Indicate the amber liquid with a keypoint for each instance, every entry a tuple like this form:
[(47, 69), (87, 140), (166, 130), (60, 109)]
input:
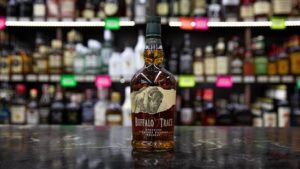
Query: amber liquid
[(160, 136)]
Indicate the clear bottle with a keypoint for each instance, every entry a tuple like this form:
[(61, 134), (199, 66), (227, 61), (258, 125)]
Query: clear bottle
[(221, 58), (73, 111), (113, 114), (32, 113), (106, 52), (88, 108), (101, 106), (55, 57), (92, 58), (115, 65), (128, 67), (174, 5), (126, 108), (81, 52), (139, 51), (153, 93), (18, 106), (70, 52), (57, 109), (140, 9), (44, 105), (198, 62), (187, 115), (186, 57), (209, 61)]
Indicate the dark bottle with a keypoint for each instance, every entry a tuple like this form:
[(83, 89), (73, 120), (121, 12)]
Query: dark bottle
[(73, 113), (4, 104), (295, 105), (236, 64), (153, 97), (173, 61), (198, 107), (243, 116), (18, 105), (12, 8), (88, 108), (209, 112), (187, 115), (113, 114), (32, 113), (25, 8), (44, 105), (224, 116), (186, 57), (230, 10), (57, 108)]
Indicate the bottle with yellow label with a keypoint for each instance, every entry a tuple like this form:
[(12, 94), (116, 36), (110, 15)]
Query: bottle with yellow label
[(294, 54), (16, 63), (272, 64), (283, 62)]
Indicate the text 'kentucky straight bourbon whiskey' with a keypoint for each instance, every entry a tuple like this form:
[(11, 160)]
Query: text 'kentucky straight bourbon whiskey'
[(153, 97)]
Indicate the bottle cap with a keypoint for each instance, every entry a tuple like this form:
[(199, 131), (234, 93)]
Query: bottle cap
[(153, 26)]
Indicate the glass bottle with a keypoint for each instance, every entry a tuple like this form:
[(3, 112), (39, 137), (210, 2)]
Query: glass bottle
[(53, 9), (224, 117), (153, 93), (57, 109), (248, 63), (32, 113), (17, 62), (221, 58), (184, 7), (214, 11), (112, 8), (260, 60), (174, 5), (4, 63), (186, 57), (55, 57), (231, 10), (283, 63), (39, 9), (101, 106), (173, 61), (113, 114), (294, 54), (106, 52), (140, 9), (236, 65), (67, 8), (88, 108), (199, 8), (92, 57), (73, 111), (44, 105), (4, 107), (272, 63), (126, 108), (79, 59), (198, 107), (70, 52), (139, 51), (114, 68), (128, 67), (262, 9), (209, 61), (198, 62), (12, 8), (209, 112), (187, 116), (25, 9), (18, 105), (162, 7), (246, 10), (282, 7)]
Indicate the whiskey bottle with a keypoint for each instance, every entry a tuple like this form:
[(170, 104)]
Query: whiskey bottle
[(100, 106), (44, 105), (57, 108), (184, 7), (111, 7), (248, 63), (209, 112), (221, 58), (162, 8), (230, 9), (209, 61), (173, 61), (67, 8), (55, 57), (246, 10), (199, 8), (25, 9), (294, 54), (88, 108), (39, 9), (283, 62), (236, 65), (282, 7), (32, 113), (113, 114), (262, 9), (198, 107), (73, 110), (153, 97), (69, 52), (4, 63), (18, 106), (12, 8), (187, 116), (198, 62), (186, 58)]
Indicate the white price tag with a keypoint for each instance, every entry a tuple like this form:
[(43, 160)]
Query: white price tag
[(262, 79), (54, 78), (140, 20), (4, 78), (211, 79), (199, 78), (249, 79), (164, 20), (287, 79), (274, 79), (237, 79), (31, 78), (11, 19), (16, 78), (90, 78), (79, 78), (43, 78), (24, 19)]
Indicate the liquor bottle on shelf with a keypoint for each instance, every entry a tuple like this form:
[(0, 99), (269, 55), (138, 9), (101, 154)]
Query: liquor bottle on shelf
[(17, 61), (295, 9), (112, 7), (12, 9), (282, 7), (101, 106), (57, 108), (39, 9), (187, 115), (248, 63), (139, 51), (67, 8), (162, 7), (106, 51), (198, 107), (295, 105), (209, 112), (25, 9), (198, 67), (214, 11), (262, 9), (53, 9), (282, 62), (269, 113), (186, 56), (283, 106), (127, 57), (224, 116), (4, 63), (92, 58), (260, 60), (272, 64), (70, 52), (199, 8), (256, 111), (18, 105), (101, 13), (242, 114), (294, 54), (174, 8), (55, 57), (113, 114), (32, 114), (231, 10), (246, 10), (153, 97), (236, 64), (126, 108), (88, 12), (114, 68), (88, 108), (36, 54), (140, 8), (209, 61), (129, 8), (185, 7), (44, 105), (73, 110), (173, 61), (4, 104), (79, 59), (221, 58)]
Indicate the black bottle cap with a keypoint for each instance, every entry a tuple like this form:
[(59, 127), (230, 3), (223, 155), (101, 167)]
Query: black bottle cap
[(153, 26)]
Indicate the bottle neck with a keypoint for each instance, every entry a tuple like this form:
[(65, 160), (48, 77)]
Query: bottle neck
[(154, 53)]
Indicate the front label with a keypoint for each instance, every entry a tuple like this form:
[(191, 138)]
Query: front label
[(18, 114), (153, 111)]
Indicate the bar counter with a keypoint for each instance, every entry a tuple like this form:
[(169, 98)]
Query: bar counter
[(88, 147)]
